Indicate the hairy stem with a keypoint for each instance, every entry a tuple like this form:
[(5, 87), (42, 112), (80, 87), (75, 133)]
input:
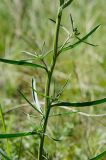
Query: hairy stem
[(48, 83)]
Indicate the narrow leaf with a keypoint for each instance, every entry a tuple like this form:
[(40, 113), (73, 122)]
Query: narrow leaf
[(16, 135), (98, 157), (52, 20), (29, 102), (4, 154), (21, 62), (31, 54), (54, 139), (80, 40), (80, 104), (94, 45), (35, 97), (66, 4), (63, 88)]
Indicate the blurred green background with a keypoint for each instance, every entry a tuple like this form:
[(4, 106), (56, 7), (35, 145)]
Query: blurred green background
[(25, 26)]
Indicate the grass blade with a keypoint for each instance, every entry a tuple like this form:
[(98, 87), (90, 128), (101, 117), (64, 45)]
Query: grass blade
[(4, 154), (98, 157), (80, 40), (21, 62), (16, 135), (80, 104)]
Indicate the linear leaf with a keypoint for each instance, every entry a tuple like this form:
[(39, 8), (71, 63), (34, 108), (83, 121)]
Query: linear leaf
[(16, 135), (21, 62), (66, 4), (98, 157), (35, 97), (80, 40), (62, 89), (52, 20), (94, 45), (31, 54), (4, 154), (29, 102), (54, 139), (80, 104)]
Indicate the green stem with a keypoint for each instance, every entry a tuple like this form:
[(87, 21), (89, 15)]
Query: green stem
[(48, 83)]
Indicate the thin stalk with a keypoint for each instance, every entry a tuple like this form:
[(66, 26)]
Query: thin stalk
[(48, 84)]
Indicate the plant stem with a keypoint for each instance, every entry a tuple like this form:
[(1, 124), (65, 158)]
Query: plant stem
[(48, 83)]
